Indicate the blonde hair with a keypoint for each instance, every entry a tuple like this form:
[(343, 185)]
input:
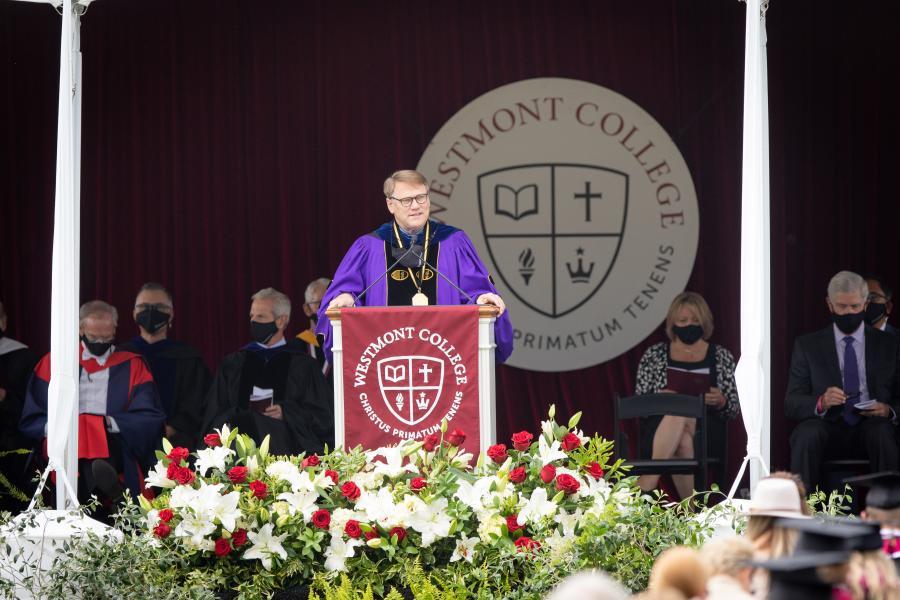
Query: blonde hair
[(679, 568), (695, 301), (727, 556), (769, 539), (871, 575), (403, 176), (885, 516)]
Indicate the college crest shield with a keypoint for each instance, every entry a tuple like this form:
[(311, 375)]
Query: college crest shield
[(553, 230), (410, 386)]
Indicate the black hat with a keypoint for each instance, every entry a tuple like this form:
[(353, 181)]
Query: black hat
[(868, 536), (818, 535), (884, 488)]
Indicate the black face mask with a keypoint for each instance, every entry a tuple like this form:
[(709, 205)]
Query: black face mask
[(689, 334), (152, 319), (261, 333), (850, 322), (96, 348), (874, 312)]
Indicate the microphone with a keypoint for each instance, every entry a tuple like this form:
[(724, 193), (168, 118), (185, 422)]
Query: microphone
[(447, 279), (394, 251)]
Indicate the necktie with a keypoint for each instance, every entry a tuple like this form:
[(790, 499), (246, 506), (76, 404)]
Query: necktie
[(851, 382)]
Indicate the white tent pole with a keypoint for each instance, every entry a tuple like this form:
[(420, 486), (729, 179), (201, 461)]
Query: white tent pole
[(62, 409), (754, 367)]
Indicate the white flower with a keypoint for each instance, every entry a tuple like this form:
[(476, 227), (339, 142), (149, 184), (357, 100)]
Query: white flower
[(547, 429), (338, 552), (381, 508), (394, 466), (212, 458), (285, 471), (490, 525), (339, 518), (473, 495), (194, 528), (549, 453), (182, 496), (568, 521), (367, 480), (225, 510), (465, 549), (430, 520), (304, 502), (157, 477), (462, 460), (537, 507), (265, 546), (252, 465), (152, 519)]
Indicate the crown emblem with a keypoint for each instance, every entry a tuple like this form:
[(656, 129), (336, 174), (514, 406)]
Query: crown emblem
[(580, 275), (422, 401)]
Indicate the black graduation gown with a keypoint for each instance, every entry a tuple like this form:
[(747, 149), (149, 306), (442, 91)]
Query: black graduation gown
[(298, 387), (15, 370), (186, 407)]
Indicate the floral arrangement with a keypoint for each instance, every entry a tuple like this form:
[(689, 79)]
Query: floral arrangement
[(251, 522)]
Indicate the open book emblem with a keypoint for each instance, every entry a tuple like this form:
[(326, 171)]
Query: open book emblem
[(553, 230), (411, 386)]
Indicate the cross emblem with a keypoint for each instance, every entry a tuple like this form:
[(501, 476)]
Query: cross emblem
[(425, 370), (587, 196)]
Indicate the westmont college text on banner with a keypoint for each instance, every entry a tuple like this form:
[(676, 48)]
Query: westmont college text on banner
[(406, 369)]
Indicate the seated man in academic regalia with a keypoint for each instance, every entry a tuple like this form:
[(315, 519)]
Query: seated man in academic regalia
[(16, 364), (312, 301), (421, 246), (178, 369), (272, 386), (120, 419)]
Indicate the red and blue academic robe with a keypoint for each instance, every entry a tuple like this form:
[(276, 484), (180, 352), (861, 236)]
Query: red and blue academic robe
[(131, 400), (367, 259)]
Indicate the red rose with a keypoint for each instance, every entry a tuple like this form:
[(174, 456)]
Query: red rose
[(237, 474), (171, 470), (239, 538), (400, 532), (184, 476), (548, 473), (430, 442), (517, 475), (212, 440), (566, 483), (456, 437), (178, 454), (525, 543), (260, 490), (595, 470), (371, 534), (350, 491), (418, 484), (522, 440), (321, 518), (497, 452), (570, 441), (352, 529), (333, 475), (310, 461), (162, 530), (512, 523), (223, 547), (165, 515)]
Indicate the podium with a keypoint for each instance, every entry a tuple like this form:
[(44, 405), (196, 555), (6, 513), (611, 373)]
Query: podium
[(399, 371)]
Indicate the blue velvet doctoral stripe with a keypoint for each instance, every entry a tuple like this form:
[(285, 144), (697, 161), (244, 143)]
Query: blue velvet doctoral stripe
[(439, 232)]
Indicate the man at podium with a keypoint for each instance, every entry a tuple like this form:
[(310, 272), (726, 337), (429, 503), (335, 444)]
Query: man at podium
[(412, 260)]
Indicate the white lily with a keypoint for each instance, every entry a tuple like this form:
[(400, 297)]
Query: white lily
[(473, 495), (549, 452), (338, 552), (212, 458), (286, 471), (303, 502), (157, 477), (393, 465), (194, 528), (537, 507), (182, 496), (265, 546), (380, 507), (430, 520), (465, 549), (568, 521)]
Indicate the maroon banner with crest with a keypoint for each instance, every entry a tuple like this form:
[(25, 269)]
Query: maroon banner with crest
[(406, 369)]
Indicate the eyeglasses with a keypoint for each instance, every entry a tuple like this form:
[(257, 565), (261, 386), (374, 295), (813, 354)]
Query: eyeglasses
[(875, 297), (407, 202)]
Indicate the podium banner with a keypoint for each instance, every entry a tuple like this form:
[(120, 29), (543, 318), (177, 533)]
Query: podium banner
[(406, 369)]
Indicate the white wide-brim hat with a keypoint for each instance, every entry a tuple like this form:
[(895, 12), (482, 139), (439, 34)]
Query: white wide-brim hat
[(776, 497)]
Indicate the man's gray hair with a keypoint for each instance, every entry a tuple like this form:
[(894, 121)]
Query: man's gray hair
[(96, 308), (847, 282), (321, 282), (281, 304)]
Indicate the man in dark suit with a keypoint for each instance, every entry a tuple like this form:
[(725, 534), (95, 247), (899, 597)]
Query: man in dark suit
[(844, 387), (880, 305)]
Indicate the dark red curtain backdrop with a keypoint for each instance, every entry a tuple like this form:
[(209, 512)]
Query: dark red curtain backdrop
[(230, 146)]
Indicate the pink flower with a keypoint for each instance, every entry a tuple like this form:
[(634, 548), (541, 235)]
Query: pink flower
[(497, 453), (237, 474), (570, 441), (522, 440), (548, 473)]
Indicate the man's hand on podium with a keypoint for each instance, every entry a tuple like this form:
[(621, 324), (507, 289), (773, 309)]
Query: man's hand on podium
[(492, 299), (344, 300)]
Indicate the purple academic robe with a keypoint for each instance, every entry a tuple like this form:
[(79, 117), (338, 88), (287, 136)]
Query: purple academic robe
[(457, 260)]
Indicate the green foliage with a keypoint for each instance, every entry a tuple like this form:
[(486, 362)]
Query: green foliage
[(6, 486), (834, 504)]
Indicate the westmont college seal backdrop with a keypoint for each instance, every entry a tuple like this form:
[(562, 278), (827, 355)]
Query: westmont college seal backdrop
[(230, 146)]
